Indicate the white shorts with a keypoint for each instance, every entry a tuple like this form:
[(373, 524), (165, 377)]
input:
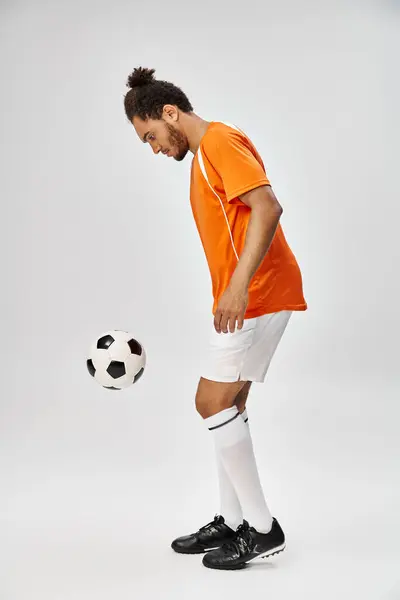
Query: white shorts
[(245, 354)]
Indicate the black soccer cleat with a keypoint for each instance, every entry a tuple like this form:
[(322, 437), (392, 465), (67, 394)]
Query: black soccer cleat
[(247, 545), (208, 537)]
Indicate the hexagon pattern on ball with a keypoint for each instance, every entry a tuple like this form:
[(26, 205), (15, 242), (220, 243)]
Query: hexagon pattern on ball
[(116, 360)]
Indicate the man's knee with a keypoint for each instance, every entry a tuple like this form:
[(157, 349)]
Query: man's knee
[(241, 397), (241, 404), (206, 407), (212, 397)]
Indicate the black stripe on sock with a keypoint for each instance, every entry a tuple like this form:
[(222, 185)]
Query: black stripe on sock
[(225, 423), (246, 420)]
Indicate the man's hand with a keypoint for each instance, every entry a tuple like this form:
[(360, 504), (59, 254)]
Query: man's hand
[(231, 308)]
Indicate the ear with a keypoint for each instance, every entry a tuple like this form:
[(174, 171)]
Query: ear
[(170, 113)]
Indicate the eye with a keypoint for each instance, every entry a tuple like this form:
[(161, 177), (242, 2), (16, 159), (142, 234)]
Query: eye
[(151, 137)]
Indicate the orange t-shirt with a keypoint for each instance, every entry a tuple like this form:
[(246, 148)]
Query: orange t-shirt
[(225, 166)]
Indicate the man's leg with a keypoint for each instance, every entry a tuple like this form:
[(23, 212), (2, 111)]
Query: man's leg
[(260, 534), (242, 396), (230, 507), (216, 403), (223, 528), (214, 396)]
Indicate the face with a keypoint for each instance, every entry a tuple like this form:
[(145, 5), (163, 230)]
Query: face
[(163, 135)]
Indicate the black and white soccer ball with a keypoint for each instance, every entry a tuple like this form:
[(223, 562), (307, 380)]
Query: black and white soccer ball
[(116, 360)]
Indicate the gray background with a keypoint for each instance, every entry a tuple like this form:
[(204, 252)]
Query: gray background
[(97, 234)]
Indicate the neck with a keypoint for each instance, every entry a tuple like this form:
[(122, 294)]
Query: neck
[(194, 128)]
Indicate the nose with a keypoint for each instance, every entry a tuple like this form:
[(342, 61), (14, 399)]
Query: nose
[(156, 149)]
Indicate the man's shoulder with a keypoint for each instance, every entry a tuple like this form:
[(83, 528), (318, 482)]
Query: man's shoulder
[(220, 133), (223, 129)]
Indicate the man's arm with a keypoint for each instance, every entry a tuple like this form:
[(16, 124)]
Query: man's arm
[(265, 214)]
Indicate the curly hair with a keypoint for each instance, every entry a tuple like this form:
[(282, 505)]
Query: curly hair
[(148, 96)]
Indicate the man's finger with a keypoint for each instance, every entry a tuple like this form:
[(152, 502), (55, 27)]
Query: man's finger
[(224, 322), (232, 324), (240, 321), (217, 321)]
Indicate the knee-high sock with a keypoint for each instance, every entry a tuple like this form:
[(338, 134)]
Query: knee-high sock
[(234, 445), (230, 507)]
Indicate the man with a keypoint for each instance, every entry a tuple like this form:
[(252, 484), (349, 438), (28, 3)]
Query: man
[(256, 285)]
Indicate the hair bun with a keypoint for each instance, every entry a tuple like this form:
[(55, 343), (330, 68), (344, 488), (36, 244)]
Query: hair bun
[(140, 76)]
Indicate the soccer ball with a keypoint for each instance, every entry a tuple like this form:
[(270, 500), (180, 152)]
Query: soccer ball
[(116, 360)]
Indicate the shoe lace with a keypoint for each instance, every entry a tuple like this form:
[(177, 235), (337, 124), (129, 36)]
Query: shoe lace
[(218, 520), (242, 541)]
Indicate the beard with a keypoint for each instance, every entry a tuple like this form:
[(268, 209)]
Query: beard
[(177, 142)]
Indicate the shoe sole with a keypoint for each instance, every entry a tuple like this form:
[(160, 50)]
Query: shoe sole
[(179, 551), (272, 552), (267, 554)]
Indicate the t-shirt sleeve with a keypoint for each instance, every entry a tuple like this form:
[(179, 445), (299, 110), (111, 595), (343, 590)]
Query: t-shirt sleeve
[(230, 155)]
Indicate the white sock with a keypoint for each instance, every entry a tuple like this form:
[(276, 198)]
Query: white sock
[(230, 507), (234, 445)]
